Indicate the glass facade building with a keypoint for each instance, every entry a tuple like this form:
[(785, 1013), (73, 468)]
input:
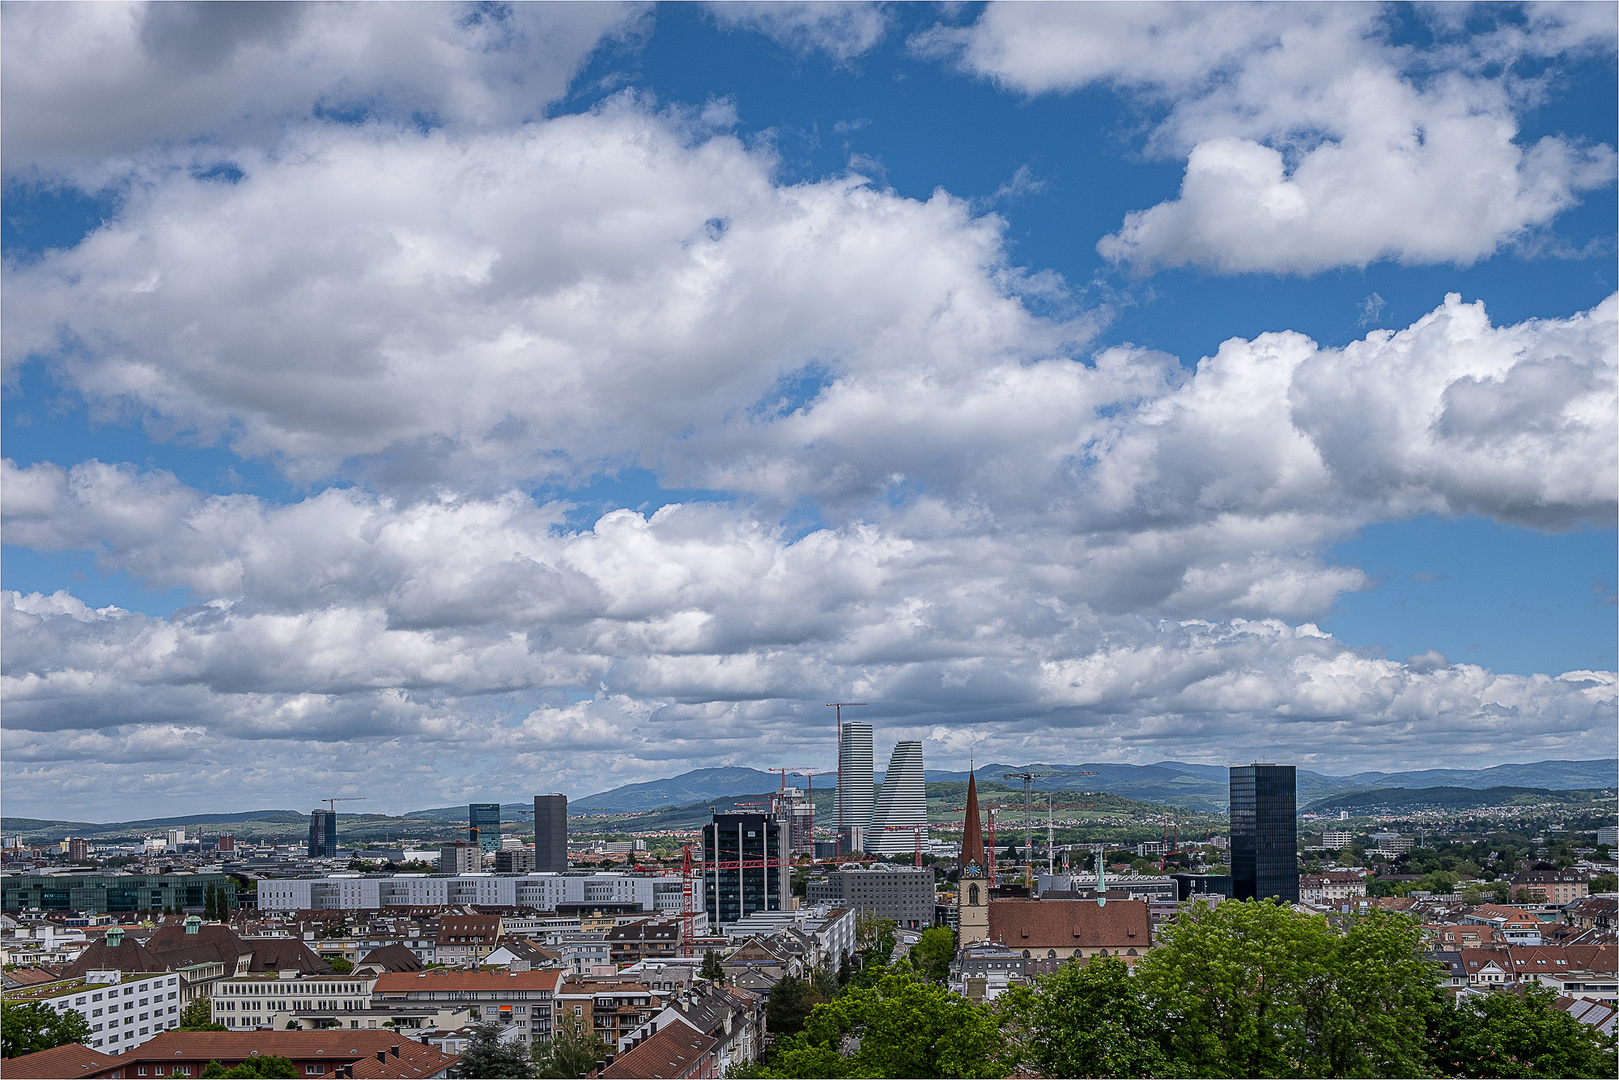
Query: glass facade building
[(857, 788), (1264, 832), (745, 867), (484, 817), (901, 804), (322, 834), (111, 892)]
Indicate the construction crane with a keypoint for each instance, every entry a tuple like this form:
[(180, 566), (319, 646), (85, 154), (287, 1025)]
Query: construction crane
[(810, 774), (918, 830), (840, 706), (333, 802), (1028, 779)]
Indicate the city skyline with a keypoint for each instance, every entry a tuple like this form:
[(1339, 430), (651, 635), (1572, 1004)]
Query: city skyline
[(409, 401)]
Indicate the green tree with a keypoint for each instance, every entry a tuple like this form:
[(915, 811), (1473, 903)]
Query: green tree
[(789, 1006), (259, 1065), (711, 969), (905, 1027), (198, 1016), (339, 965), (1087, 1020), (487, 1056), (26, 1029), (1605, 883), (1255, 989), (1513, 1034), (932, 954), (573, 1050)]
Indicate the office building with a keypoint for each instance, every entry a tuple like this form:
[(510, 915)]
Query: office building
[(460, 857), (514, 860), (484, 819), (322, 834), (562, 893), (1264, 832), (856, 784), (551, 833), (1608, 836), (117, 893), (901, 812), (1337, 839), (745, 867), (901, 893)]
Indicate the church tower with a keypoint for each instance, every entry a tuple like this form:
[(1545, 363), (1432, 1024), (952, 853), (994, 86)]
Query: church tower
[(974, 884)]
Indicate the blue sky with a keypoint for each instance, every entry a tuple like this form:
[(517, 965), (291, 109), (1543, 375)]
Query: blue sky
[(596, 391)]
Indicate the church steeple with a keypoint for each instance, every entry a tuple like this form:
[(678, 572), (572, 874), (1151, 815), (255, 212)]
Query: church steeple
[(973, 904), (972, 835)]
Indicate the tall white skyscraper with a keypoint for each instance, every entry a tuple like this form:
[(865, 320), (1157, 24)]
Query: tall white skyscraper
[(903, 801), (856, 785)]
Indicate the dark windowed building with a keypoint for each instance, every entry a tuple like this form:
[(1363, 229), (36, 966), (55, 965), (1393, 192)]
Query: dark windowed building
[(746, 867), (1264, 832), (322, 834), (551, 833), (484, 817)]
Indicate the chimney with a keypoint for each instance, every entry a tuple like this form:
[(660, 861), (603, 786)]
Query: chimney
[(115, 936), (382, 1056), (394, 1050)]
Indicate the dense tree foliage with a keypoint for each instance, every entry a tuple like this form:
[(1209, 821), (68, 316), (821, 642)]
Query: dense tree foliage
[(573, 1051), (198, 1016), (789, 1006), (1246, 989), (711, 969), (1515, 1033), (1090, 1020), (259, 1065), (487, 1056), (904, 1026), (25, 1029), (931, 955)]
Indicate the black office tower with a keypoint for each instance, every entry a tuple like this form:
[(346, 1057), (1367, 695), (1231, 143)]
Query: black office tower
[(551, 833), (322, 834), (746, 867), (1264, 832)]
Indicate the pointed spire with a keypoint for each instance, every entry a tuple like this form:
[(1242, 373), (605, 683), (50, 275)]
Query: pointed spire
[(972, 834)]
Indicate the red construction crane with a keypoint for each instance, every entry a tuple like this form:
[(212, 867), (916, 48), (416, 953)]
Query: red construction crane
[(918, 830)]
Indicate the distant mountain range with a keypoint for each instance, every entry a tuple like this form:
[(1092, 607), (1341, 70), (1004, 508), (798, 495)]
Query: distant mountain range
[(1167, 783), (1398, 799)]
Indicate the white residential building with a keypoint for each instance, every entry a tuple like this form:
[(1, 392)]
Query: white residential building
[(123, 1010)]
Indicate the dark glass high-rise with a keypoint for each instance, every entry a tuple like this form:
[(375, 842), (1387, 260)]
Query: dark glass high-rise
[(551, 833), (1264, 832), (322, 834), (483, 820)]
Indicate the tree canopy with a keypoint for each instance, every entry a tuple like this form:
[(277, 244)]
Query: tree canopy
[(487, 1056), (27, 1029), (573, 1050)]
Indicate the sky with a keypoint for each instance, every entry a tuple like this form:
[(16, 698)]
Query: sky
[(444, 403)]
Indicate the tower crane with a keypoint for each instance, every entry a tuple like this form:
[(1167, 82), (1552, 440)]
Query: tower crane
[(332, 803), (1028, 779)]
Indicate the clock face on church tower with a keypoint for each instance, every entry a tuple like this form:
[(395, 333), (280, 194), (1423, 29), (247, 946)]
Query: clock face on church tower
[(973, 869)]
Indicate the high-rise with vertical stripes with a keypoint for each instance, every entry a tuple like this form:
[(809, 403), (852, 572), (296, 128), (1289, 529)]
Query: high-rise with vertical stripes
[(902, 804), (856, 786)]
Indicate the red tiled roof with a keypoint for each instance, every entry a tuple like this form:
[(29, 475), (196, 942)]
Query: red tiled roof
[(675, 1051), (73, 1059), (1042, 924), (414, 1059)]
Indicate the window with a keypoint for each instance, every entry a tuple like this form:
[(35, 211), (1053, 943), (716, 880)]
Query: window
[(313, 1070)]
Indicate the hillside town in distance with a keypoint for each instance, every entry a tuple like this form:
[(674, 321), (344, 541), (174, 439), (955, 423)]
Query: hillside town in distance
[(752, 935)]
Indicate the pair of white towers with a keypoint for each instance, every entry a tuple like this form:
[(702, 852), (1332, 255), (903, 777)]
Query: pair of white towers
[(887, 820)]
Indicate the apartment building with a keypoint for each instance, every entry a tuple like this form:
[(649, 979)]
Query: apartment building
[(122, 1009), (517, 999)]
